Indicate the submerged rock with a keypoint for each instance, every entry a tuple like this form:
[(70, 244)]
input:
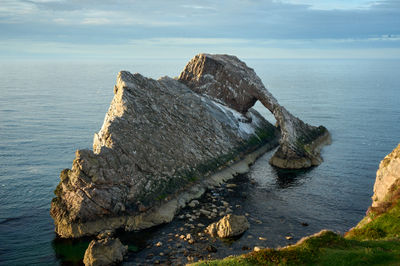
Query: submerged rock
[(229, 226), (102, 252), (158, 146), (229, 80)]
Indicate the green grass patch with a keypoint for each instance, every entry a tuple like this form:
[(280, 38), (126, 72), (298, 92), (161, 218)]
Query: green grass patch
[(327, 248), (386, 225)]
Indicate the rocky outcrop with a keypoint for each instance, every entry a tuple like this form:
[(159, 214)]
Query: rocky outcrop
[(102, 252), (158, 147), (163, 142), (387, 179), (230, 81), (386, 189), (228, 226)]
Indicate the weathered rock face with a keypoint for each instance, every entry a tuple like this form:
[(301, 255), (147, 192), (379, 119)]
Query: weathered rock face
[(387, 178), (229, 80), (228, 226), (159, 138), (386, 189), (107, 251)]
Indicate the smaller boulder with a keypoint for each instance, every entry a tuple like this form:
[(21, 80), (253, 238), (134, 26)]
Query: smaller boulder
[(229, 226), (193, 203), (106, 251), (258, 248)]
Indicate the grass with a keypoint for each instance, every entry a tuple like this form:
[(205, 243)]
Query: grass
[(374, 243), (327, 248), (383, 226)]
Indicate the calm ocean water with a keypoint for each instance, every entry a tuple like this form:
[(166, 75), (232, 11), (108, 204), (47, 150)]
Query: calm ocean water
[(49, 109)]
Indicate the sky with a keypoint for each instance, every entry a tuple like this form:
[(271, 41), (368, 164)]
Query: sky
[(123, 29)]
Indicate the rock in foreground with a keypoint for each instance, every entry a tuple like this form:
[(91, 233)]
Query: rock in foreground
[(229, 80), (229, 226), (108, 251)]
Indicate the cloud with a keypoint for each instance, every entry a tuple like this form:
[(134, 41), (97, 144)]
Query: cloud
[(234, 25), (332, 4), (15, 9), (163, 42), (95, 21), (199, 7)]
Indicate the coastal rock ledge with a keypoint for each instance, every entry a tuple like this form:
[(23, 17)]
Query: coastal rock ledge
[(164, 142)]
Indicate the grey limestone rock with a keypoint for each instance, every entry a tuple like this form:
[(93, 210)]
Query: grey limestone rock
[(227, 79), (158, 140), (163, 142)]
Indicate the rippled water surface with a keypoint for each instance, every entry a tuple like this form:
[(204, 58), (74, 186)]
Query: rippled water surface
[(50, 109)]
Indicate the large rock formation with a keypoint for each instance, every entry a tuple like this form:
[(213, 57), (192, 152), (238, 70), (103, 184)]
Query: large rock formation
[(159, 139), (229, 80)]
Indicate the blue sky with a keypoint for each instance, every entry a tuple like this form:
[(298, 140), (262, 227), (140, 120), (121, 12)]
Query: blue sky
[(181, 28)]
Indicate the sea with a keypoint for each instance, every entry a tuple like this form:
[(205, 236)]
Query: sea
[(49, 109)]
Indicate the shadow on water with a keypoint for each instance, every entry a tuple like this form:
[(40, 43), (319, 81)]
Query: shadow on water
[(139, 240), (70, 251), (286, 178)]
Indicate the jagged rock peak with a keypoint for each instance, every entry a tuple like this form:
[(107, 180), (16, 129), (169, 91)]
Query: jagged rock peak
[(226, 79)]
